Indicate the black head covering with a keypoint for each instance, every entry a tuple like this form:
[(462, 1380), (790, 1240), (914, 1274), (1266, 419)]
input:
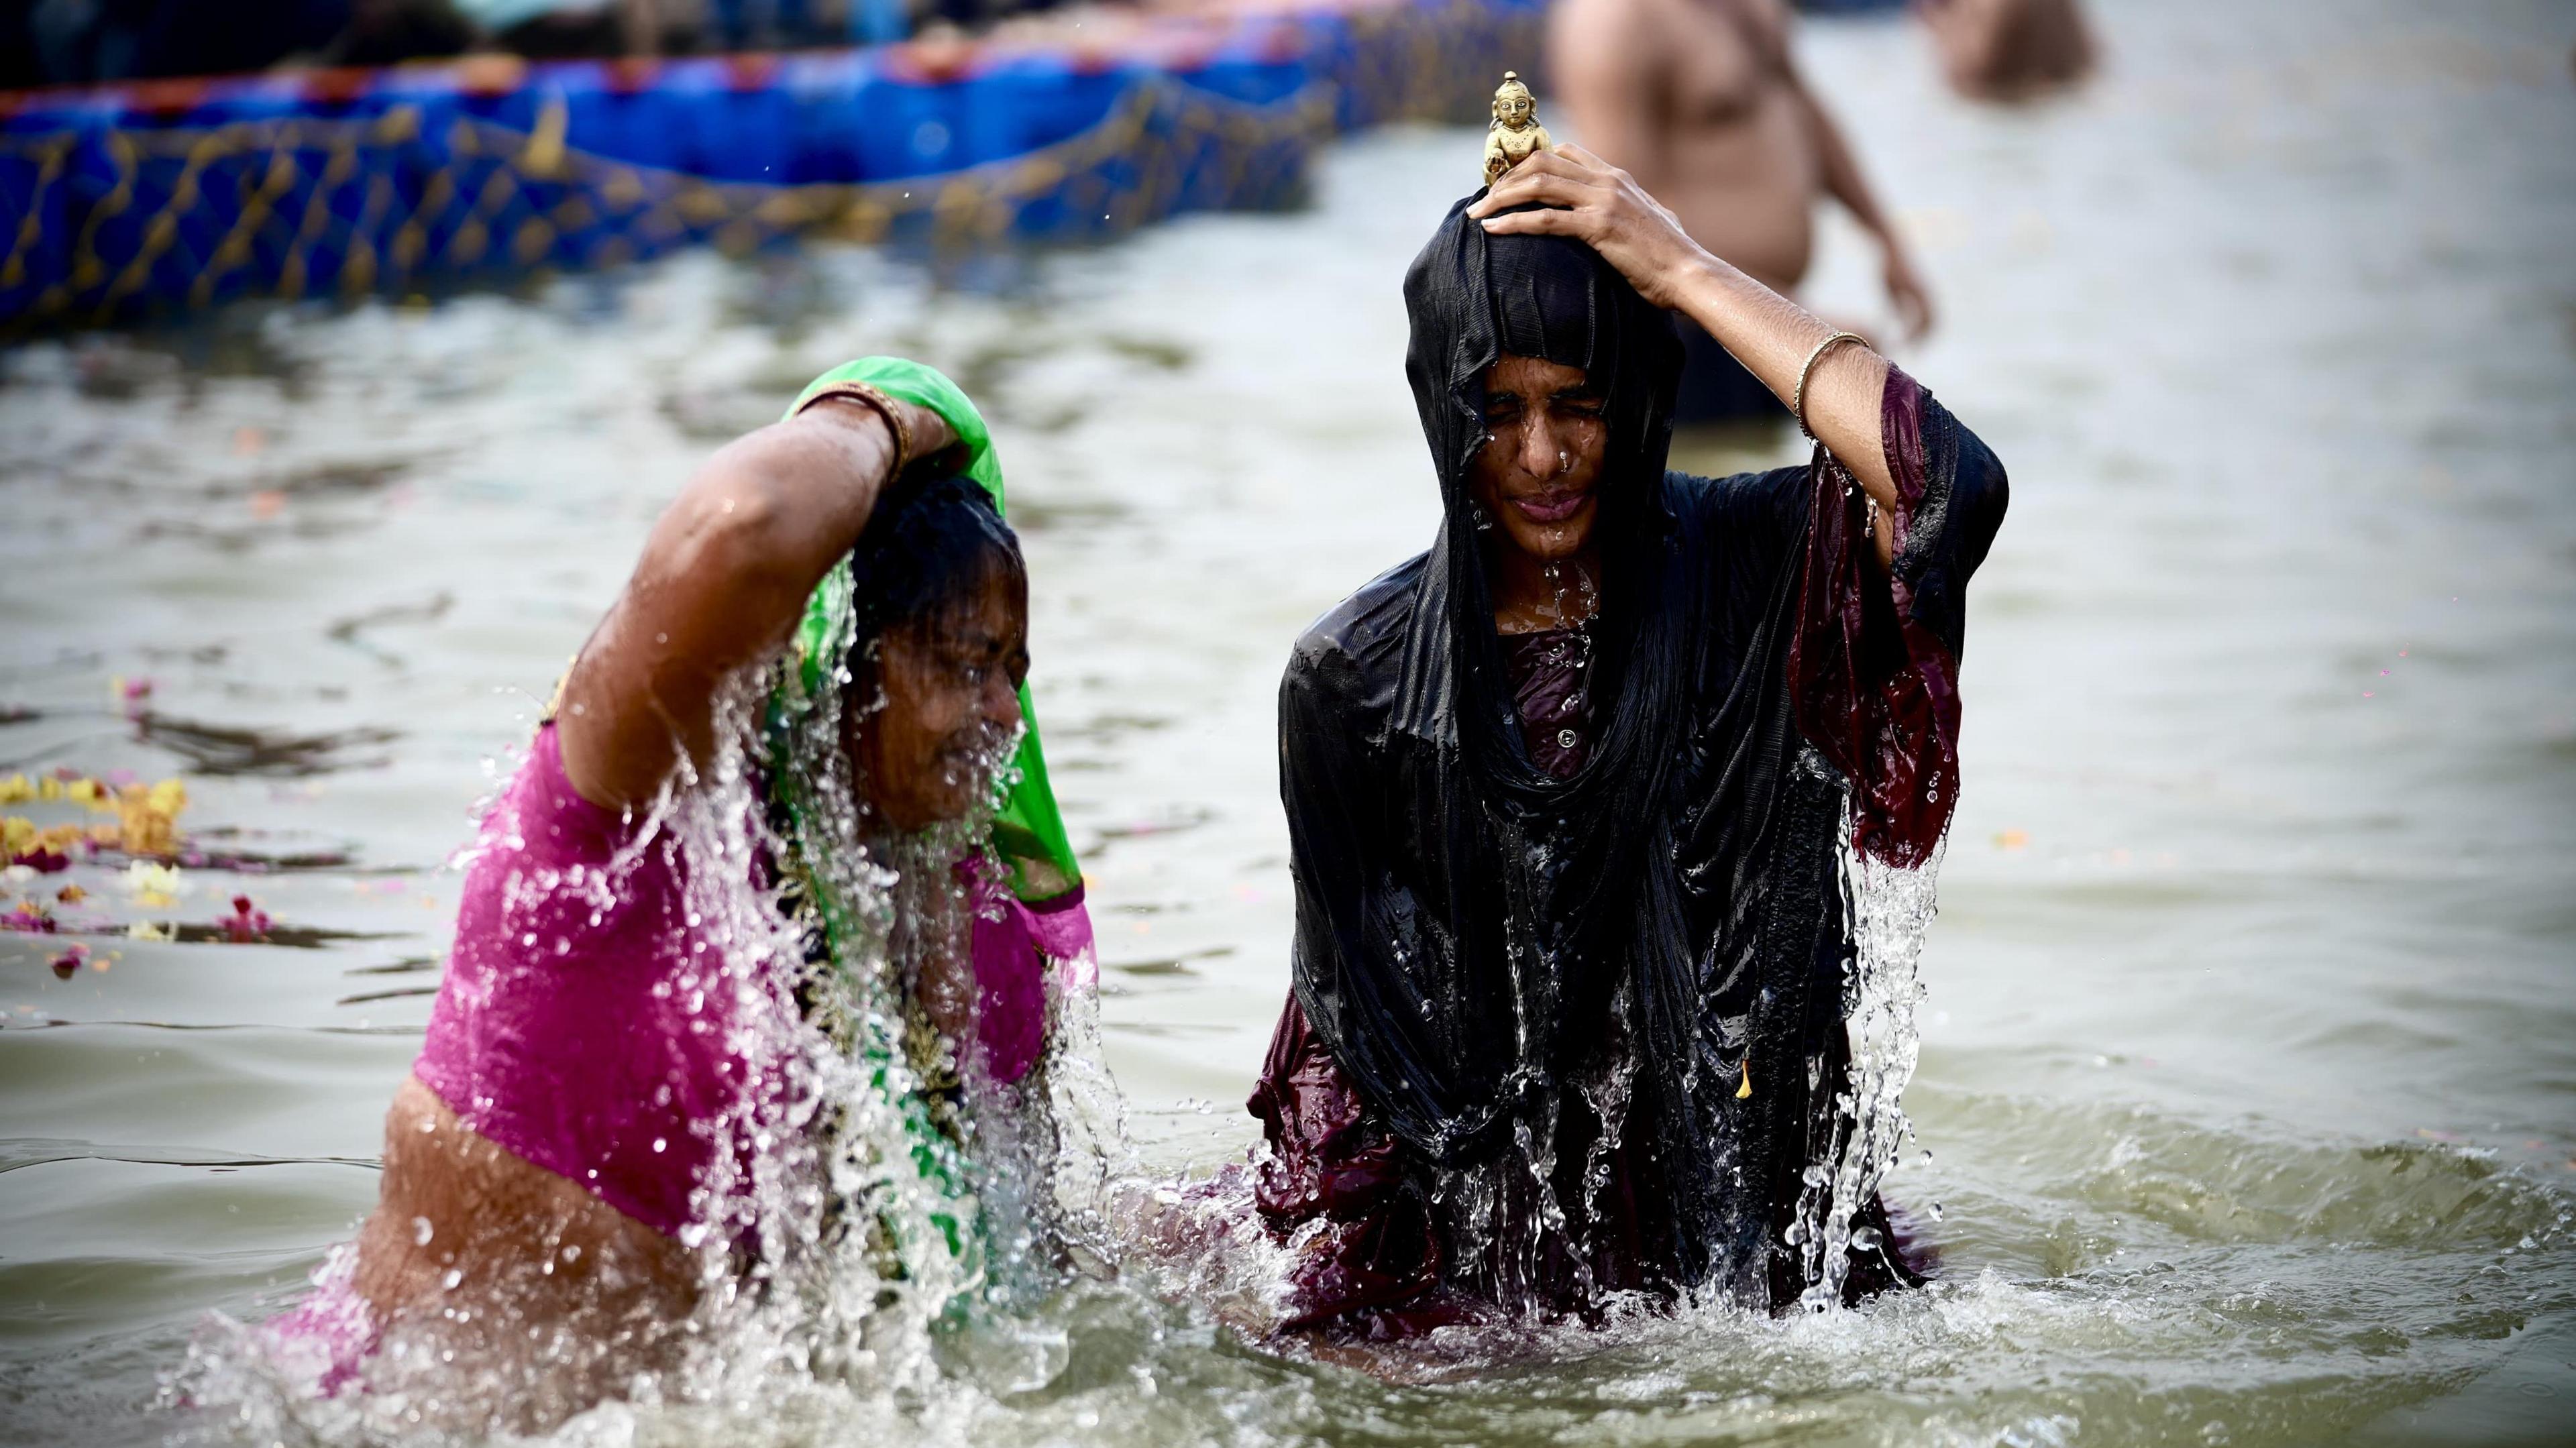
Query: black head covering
[(1477, 939), (1473, 298), (1465, 920)]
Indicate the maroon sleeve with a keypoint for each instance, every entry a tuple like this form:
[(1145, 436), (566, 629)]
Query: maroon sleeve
[(1873, 667), (1333, 1184)]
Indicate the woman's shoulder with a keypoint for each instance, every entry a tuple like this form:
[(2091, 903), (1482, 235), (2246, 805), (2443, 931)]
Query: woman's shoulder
[(1359, 640)]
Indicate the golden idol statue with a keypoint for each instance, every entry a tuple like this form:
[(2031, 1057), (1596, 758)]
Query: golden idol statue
[(1515, 131)]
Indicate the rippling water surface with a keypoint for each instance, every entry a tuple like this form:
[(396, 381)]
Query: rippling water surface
[(2249, 1067)]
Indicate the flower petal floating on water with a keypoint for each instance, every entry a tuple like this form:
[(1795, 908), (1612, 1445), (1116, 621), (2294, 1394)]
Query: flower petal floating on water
[(154, 886), (68, 964), (28, 918), (148, 817), (42, 849), (247, 925), (131, 696)]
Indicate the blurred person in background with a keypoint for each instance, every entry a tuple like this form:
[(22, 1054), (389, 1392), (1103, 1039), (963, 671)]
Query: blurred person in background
[(2008, 50), (1701, 102)]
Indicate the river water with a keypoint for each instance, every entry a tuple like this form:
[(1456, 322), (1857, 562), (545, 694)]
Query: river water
[(2248, 1082)]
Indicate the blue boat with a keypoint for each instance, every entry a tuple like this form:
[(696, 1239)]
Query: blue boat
[(155, 197)]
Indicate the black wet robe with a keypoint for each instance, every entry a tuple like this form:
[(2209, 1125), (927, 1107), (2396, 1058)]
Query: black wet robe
[(1532, 985)]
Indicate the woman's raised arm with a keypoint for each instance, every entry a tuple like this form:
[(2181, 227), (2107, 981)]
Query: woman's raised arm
[(724, 576), (1602, 206)]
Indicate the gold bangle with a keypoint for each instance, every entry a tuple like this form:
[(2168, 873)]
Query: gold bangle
[(1798, 397), (885, 408)]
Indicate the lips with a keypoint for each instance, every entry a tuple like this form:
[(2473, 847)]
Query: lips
[(1551, 507)]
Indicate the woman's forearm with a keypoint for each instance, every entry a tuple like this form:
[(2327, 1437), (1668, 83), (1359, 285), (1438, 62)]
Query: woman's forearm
[(1773, 337), (724, 576), (1581, 196)]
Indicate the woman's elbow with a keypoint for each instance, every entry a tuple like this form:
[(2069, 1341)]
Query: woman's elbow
[(728, 527), (1980, 492)]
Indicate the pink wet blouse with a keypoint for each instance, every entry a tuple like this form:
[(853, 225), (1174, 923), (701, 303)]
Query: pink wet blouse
[(583, 1024)]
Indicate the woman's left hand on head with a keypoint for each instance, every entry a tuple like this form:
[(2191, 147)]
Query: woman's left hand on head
[(1601, 206), (931, 437)]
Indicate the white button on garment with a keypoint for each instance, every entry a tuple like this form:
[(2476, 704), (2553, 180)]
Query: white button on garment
[(1565, 739)]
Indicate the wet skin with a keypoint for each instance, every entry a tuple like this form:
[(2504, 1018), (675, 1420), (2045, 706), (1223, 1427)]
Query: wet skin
[(928, 715), (463, 1224), (1703, 101), (529, 1245), (925, 722), (1537, 478)]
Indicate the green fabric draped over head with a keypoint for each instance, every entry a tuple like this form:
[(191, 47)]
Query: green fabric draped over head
[(931, 1214), (1028, 833)]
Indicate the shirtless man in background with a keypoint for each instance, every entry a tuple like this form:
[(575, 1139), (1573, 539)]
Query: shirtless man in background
[(1699, 100)]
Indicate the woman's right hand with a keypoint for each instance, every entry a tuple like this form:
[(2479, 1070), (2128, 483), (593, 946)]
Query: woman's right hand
[(929, 434), (1603, 207)]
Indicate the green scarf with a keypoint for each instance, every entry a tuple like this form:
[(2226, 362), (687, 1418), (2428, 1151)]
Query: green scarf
[(1027, 834)]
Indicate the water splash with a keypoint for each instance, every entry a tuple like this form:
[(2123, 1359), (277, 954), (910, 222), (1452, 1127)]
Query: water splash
[(1890, 911), (879, 1206)]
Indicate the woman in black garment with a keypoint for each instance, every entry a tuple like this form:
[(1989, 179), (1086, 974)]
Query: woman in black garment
[(1567, 793)]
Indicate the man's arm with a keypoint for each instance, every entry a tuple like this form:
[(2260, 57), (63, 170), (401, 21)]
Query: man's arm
[(1845, 183), (1600, 70)]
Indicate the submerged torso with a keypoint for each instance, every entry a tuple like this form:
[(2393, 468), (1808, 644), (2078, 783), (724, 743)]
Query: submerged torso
[(585, 1018), (577, 1067), (1511, 1094), (1738, 162), (586, 1061)]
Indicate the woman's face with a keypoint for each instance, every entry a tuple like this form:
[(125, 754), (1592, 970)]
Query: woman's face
[(947, 701), (1537, 473)]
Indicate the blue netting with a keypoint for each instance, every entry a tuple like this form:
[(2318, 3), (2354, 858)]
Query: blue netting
[(178, 195)]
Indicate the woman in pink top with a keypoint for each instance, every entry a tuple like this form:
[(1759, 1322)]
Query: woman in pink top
[(553, 1162)]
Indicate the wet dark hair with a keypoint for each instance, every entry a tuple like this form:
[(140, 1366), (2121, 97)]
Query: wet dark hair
[(929, 551)]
